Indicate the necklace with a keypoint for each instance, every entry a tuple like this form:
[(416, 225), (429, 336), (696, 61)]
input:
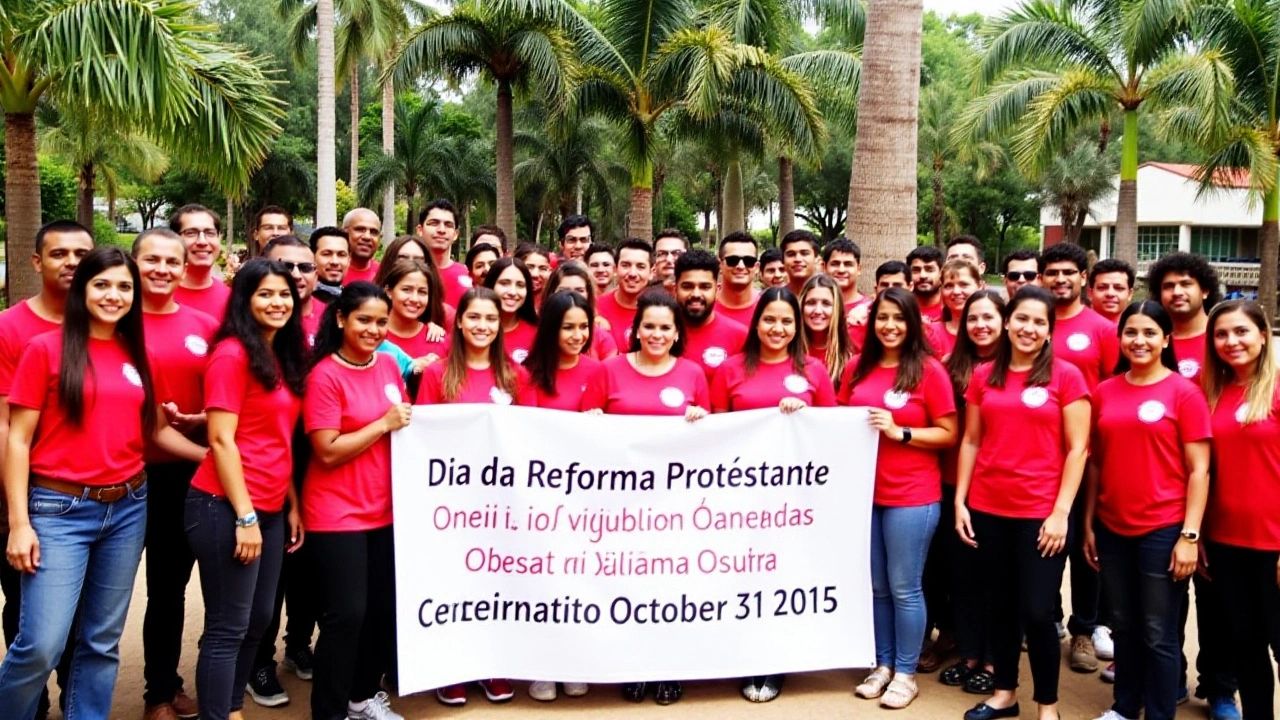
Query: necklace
[(354, 364)]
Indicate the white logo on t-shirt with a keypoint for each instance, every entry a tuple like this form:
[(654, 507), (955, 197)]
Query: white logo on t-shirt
[(1188, 368), (1242, 413), (713, 356), (393, 393), (672, 397), (131, 374), (796, 384), (895, 400), (1078, 342), (499, 396), (196, 345), (1151, 411), (1034, 397), (519, 354), (465, 281)]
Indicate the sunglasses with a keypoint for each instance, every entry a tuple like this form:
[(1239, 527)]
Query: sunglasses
[(1016, 275), (734, 260), (305, 268)]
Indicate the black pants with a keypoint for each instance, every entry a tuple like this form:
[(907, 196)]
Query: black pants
[(169, 565), (939, 594), (968, 598), (1086, 586), (1215, 663), (356, 578), (237, 598), (1247, 581), (11, 586), (1022, 596)]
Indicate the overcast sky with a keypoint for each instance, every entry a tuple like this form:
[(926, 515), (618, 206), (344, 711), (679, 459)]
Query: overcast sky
[(964, 7)]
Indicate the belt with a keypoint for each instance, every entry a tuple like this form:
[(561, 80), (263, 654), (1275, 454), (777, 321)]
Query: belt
[(100, 493)]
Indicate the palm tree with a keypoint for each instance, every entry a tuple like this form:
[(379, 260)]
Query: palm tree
[(1073, 182), (514, 51), (1247, 34), (417, 162), (1052, 67), (566, 160), (326, 147), (146, 60), (938, 148)]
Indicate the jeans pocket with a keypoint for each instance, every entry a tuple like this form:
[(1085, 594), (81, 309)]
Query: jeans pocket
[(47, 503), (193, 508), (140, 492)]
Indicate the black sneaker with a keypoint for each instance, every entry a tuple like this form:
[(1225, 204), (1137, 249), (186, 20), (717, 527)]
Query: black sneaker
[(264, 688), (299, 662)]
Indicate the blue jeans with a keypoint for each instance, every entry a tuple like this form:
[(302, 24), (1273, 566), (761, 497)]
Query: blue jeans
[(88, 551), (1146, 605), (900, 539)]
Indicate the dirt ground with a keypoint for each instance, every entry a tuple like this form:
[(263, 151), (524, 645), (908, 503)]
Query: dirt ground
[(822, 695)]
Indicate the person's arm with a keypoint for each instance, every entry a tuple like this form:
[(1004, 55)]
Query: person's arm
[(968, 458), (1075, 430), (23, 550), (1091, 480), (1186, 553), (173, 442), (332, 448), (230, 469)]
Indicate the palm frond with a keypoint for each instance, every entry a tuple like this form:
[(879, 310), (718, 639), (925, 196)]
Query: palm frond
[(1054, 115), (1041, 34)]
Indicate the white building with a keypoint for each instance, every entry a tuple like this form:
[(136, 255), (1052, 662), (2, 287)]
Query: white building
[(1222, 224)]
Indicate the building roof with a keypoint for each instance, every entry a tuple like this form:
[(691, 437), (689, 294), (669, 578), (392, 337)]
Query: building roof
[(1224, 178)]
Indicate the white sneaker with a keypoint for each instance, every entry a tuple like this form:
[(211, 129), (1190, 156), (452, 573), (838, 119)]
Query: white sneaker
[(576, 689), (1112, 715), (544, 690), (1103, 646), (377, 707)]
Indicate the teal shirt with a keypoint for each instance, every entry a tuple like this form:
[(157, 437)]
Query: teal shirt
[(402, 358)]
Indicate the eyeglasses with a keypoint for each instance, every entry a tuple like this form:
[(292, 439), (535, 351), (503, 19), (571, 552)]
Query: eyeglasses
[(673, 254), (1016, 275), (305, 268), (1061, 272), (193, 233), (576, 240), (734, 260)]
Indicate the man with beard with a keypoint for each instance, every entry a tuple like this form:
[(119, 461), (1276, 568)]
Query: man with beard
[(1110, 288), (737, 295), (634, 267), (364, 231), (270, 223), (800, 257), (925, 264), (708, 338), (333, 257)]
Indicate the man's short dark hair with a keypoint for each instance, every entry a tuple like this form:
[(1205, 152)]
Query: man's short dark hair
[(1064, 252), (771, 255), (697, 259), (438, 204), (175, 219), (671, 233), (1021, 255), (59, 226), (272, 210), (1185, 263), (493, 230), (842, 245), (149, 233), (633, 243), (893, 267), (283, 241), (925, 254), (573, 222), (324, 232), (1111, 265), (968, 240), (799, 236), (737, 236), (594, 248)]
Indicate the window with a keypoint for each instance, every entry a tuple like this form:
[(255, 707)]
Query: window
[(1156, 240), (1215, 243)]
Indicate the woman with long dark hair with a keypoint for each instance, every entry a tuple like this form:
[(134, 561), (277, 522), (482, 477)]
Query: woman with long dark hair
[(510, 280), (1243, 532), (355, 399), (573, 276), (538, 259), (242, 510), (771, 371), (1021, 462), (82, 410), (824, 325), (910, 401), (406, 247), (559, 364), (1145, 495), (960, 279), (418, 312)]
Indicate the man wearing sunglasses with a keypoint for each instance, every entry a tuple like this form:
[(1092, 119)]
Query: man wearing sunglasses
[(1020, 268), (300, 261), (738, 259)]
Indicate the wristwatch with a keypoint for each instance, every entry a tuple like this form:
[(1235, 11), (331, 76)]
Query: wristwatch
[(247, 521), (906, 436), (1191, 536)]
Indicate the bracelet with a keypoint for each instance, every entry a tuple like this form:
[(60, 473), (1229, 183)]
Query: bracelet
[(247, 521)]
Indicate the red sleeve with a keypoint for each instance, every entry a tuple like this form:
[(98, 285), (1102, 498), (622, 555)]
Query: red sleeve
[(939, 398), (606, 346), (720, 390), (1194, 417), (226, 382), (824, 393), (1109, 349), (322, 406), (429, 391), (597, 393), (701, 393), (526, 392), (30, 385), (846, 381), (977, 381), (1071, 384)]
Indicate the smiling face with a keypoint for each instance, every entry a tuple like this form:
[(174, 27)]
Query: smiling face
[(774, 274), (439, 229), (1142, 341), (480, 265), (738, 276), (777, 327), (364, 329), (479, 324), (539, 270), (1064, 280), (956, 289), (926, 277), (160, 265), (109, 295), (575, 328), (365, 231), (302, 268), (60, 255), (410, 296), (696, 294), (982, 324), (801, 261), (270, 227), (890, 325), (601, 267), (665, 252), (844, 269), (633, 270), (818, 308), (1181, 295), (1237, 340), (511, 289), (657, 332), (200, 234), (1020, 273), (1028, 327), (1110, 293), (575, 242), (333, 255), (272, 303)]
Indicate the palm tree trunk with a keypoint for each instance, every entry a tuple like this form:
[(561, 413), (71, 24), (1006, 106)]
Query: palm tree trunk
[(1269, 251), (111, 203), (355, 127), (84, 197), (882, 184), (786, 196), (537, 229), (388, 148), (640, 222), (326, 160), (1127, 206), (505, 190), (734, 207), (939, 204), (229, 220), (22, 204)]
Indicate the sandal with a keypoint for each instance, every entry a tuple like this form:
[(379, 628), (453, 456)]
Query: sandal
[(980, 682), (762, 688), (930, 660), (873, 686), (634, 692), (899, 694), (668, 692), (956, 675)]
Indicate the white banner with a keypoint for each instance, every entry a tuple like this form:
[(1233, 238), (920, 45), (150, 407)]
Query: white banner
[(544, 545)]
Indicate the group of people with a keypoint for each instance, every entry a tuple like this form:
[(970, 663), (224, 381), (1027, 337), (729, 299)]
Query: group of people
[(242, 430)]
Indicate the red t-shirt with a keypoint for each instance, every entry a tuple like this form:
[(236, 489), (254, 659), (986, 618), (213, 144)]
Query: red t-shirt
[(603, 346), (264, 431), (864, 301), (1138, 437), (571, 383), (940, 339), (1023, 445), (211, 301), (1189, 353), (456, 281), (355, 274), (905, 475), (741, 315), (1245, 492), (178, 343), (18, 325), (106, 448), (732, 389), (355, 495), (418, 346), (618, 388), (713, 343), (932, 313), (479, 387), (311, 323), (620, 319), (519, 342), (1090, 343)]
